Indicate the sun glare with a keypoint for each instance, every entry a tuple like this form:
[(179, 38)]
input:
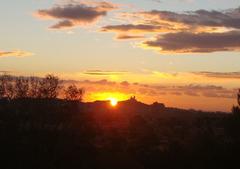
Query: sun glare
[(113, 101)]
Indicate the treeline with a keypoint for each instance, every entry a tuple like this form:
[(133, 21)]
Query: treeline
[(49, 87)]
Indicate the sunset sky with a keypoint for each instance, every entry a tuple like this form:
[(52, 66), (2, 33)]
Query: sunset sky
[(184, 53)]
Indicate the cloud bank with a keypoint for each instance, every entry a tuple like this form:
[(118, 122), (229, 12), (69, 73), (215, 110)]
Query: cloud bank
[(199, 31)]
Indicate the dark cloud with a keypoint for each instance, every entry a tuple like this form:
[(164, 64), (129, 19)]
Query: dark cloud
[(76, 14), (186, 42), (228, 18), (62, 24)]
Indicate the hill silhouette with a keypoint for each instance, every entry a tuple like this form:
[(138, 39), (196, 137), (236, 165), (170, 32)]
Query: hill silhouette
[(42, 131), (55, 133)]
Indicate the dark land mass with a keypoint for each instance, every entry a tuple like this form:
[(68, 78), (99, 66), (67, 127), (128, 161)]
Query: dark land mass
[(60, 134)]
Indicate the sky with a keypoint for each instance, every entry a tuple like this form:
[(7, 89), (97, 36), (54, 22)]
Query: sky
[(184, 53)]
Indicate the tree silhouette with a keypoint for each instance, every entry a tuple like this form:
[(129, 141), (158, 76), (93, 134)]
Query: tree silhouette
[(2, 87), (73, 93), (49, 87), (34, 86), (6, 88), (236, 109), (10, 91), (21, 87), (239, 97)]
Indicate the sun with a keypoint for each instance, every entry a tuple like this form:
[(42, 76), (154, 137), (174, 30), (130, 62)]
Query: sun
[(113, 101)]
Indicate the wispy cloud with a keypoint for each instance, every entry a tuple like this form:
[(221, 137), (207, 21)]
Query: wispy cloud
[(104, 73), (136, 28), (15, 53)]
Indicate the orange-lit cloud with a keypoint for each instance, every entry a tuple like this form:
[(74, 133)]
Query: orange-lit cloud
[(15, 53), (76, 13), (136, 28), (129, 37)]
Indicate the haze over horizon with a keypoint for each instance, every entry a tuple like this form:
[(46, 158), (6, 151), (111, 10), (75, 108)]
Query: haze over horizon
[(184, 53)]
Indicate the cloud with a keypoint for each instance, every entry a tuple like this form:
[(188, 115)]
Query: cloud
[(135, 28), (127, 37), (186, 42), (76, 13), (104, 73), (222, 75), (62, 24), (15, 53)]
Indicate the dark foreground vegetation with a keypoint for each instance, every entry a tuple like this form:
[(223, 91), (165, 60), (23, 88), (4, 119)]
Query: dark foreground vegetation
[(51, 133)]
